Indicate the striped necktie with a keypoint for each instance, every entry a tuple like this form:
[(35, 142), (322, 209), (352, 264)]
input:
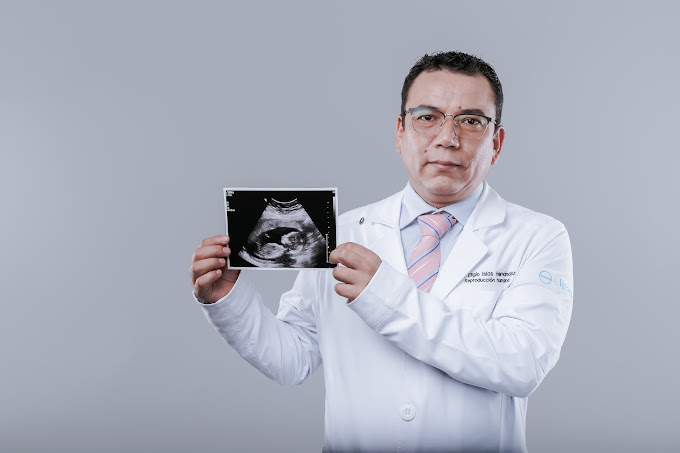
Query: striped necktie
[(423, 266)]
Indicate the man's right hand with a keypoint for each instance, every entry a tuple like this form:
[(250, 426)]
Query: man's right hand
[(211, 277)]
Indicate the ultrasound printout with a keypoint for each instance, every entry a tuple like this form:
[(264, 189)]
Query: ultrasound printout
[(280, 228)]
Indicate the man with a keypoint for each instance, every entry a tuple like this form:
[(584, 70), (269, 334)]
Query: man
[(427, 346)]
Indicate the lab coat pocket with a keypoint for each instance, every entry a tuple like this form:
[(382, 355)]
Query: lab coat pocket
[(480, 303)]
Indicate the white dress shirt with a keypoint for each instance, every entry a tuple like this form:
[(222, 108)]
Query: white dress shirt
[(412, 205)]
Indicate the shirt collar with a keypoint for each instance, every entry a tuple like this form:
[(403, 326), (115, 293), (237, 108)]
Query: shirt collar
[(412, 206)]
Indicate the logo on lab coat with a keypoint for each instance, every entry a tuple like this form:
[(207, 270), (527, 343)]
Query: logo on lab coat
[(547, 278)]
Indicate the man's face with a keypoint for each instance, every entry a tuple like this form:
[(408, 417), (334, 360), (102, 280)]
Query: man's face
[(443, 168)]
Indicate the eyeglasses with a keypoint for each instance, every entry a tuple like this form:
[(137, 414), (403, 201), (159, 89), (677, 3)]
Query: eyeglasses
[(429, 121)]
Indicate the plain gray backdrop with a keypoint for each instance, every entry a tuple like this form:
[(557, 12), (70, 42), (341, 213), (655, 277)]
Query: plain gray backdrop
[(121, 121)]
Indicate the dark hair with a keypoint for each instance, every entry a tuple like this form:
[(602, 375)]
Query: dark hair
[(455, 62)]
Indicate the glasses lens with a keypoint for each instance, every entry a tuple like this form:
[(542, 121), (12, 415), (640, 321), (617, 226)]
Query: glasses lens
[(426, 121), (470, 126)]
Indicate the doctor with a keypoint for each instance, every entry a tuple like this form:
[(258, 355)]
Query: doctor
[(427, 346)]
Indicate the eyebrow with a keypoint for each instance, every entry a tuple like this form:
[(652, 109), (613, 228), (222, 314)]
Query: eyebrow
[(462, 112), (473, 112)]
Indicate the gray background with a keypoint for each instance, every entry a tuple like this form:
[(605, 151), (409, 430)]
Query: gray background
[(120, 122)]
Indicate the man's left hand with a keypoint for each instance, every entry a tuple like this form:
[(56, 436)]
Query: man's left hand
[(359, 265)]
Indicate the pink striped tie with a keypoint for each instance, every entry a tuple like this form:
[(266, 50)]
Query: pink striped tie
[(423, 266)]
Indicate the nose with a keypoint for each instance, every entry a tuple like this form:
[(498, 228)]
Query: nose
[(447, 134)]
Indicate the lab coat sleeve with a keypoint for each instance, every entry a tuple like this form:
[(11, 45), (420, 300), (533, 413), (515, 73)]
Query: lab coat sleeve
[(283, 347), (509, 351)]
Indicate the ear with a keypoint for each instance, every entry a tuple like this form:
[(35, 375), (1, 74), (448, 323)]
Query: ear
[(498, 139), (399, 134)]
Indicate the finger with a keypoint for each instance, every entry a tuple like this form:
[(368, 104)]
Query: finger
[(203, 284), (342, 254), (211, 251), (229, 275), (221, 239), (351, 292), (201, 267), (336, 254), (355, 256), (346, 275), (349, 256)]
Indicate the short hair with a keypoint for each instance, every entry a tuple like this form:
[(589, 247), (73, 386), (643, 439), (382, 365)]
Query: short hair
[(455, 62)]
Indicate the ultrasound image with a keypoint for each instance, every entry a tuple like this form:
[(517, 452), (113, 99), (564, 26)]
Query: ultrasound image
[(282, 234), (285, 236)]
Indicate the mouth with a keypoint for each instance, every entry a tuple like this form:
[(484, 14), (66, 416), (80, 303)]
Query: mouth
[(443, 164)]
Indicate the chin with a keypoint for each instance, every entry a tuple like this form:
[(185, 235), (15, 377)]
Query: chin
[(443, 186)]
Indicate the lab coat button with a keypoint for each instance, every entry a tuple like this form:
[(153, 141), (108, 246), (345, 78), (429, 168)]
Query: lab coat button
[(407, 412)]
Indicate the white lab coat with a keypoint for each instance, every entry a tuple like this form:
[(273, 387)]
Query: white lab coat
[(407, 371)]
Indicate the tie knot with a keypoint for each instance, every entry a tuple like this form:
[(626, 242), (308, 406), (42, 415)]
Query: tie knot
[(436, 225)]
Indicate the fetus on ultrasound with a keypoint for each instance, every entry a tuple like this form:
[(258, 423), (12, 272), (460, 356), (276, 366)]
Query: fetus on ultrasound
[(285, 236)]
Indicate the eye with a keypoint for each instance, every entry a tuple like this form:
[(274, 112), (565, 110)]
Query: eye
[(425, 115), (471, 121)]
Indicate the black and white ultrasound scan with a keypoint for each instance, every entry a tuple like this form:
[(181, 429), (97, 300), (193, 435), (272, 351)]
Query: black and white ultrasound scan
[(281, 228)]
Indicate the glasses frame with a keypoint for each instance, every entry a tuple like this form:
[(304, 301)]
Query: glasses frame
[(453, 117)]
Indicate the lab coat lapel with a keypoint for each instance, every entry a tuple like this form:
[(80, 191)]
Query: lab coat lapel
[(469, 248), (385, 226), (388, 247), (467, 252)]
